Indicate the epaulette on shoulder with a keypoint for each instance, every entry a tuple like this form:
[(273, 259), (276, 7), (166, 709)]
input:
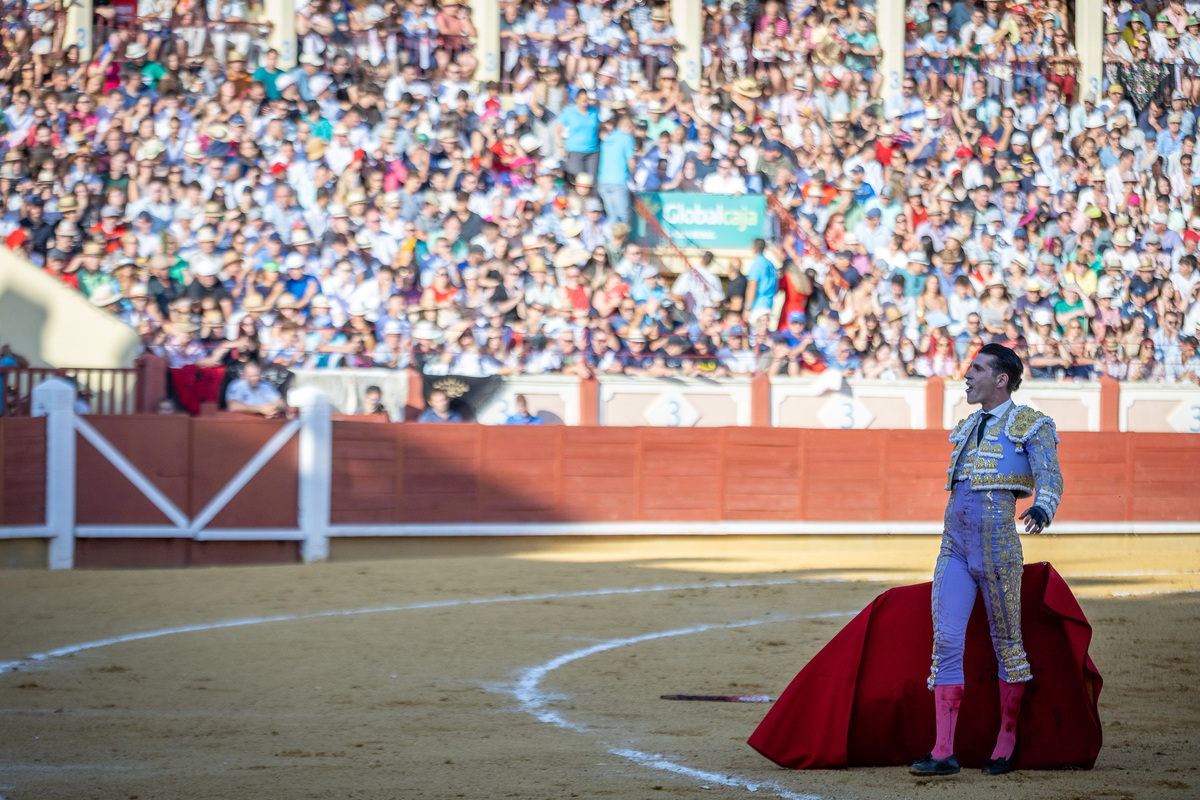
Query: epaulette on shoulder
[(1024, 424)]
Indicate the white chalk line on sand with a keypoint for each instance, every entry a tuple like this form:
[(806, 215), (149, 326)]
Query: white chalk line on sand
[(535, 701), (528, 685), (36, 658), (644, 759), (69, 650), (527, 690)]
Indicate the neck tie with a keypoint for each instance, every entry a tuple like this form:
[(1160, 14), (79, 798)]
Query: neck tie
[(984, 419)]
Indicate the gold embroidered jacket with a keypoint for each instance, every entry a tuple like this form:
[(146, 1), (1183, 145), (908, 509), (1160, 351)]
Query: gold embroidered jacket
[(1019, 452)]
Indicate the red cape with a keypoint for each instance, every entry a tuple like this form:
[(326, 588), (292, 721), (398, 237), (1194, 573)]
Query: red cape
[(862, 701)]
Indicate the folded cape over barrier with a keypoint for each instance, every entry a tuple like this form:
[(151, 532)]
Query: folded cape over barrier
[(862, 701)]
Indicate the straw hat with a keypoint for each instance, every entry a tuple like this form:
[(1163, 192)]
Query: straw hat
[(427, 331), (571, 228), (570, 257), (253, 303), (151, 149), (315, 149), (104, 296), (746, 87)]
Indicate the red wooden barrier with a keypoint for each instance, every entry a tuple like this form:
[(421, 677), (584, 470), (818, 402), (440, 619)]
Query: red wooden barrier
[(396, 474), (190, 460), (392, 473), (22, 471)]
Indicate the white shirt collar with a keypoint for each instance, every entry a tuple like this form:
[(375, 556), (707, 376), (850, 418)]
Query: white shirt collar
[(1000, 410)]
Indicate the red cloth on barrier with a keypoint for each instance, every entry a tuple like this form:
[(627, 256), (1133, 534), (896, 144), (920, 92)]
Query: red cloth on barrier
[(195, 385), (862, 701)]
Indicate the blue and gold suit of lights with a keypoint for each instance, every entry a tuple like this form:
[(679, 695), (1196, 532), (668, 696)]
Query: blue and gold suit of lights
[(981, 549)]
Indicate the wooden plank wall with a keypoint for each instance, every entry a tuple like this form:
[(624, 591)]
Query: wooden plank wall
[(404, 473), (190, 460), (472, 474), (22, 471)]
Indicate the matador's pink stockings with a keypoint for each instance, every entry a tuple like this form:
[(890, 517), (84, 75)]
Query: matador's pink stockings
[(946, 700), (1010, 709)]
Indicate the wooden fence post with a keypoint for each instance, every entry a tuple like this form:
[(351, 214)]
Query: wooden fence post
[(54, 399)]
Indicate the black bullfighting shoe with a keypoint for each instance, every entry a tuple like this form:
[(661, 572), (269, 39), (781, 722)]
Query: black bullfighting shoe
[(998, 766), (935, 766)]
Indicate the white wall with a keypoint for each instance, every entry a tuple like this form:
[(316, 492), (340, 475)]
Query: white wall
[(53, 325)]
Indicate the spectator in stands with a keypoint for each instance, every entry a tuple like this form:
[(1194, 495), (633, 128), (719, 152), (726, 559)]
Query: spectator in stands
[(578, 136), (439, 409), (249, 394), (522, 416), (10, 359)]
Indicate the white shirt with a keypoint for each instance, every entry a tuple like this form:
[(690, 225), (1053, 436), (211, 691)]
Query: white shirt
[(241, 391), (699, 287), (732, 184), (997, 412)]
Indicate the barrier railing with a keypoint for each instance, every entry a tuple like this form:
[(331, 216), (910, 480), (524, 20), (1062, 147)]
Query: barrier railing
[(100, 391), (237, 482), (753, 399)]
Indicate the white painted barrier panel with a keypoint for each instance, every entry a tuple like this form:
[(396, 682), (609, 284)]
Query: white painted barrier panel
[(554, 398), (1074, 406), (853, 404), (674, 402), (1150, 408), (346, 387)]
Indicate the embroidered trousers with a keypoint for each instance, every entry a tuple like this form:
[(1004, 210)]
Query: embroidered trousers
[(981, 550)]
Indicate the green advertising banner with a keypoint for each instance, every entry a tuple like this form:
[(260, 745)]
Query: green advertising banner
[(703, 221)]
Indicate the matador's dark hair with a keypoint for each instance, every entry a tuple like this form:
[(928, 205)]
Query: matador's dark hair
[(1006, 361)]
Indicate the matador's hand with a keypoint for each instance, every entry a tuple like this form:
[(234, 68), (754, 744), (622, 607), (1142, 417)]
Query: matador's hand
[(1035, 518)]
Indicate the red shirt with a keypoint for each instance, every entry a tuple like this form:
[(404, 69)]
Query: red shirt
[(68, 278), (884, 154), (113, 239), (578, 295)]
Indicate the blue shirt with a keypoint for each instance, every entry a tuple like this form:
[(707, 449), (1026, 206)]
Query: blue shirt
[(241, 391), (1188, 124), (615, 151), (763, 271), (296, 287), (1168, 144), (429, 415), (524, 419), (827, 340), (581, 132)]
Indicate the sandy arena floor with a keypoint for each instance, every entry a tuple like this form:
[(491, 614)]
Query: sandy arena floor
[(532, 673)]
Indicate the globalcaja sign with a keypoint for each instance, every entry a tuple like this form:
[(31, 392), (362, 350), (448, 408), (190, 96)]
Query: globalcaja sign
[(703, 221)]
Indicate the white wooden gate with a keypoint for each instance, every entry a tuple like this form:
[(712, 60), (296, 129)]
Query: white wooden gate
[(55, 401)]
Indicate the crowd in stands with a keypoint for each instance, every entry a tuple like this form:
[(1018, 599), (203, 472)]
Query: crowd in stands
[(378, 206)]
